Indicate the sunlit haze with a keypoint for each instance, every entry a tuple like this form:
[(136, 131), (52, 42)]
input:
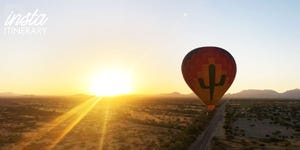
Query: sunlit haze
[(146, 42), (111, 82)]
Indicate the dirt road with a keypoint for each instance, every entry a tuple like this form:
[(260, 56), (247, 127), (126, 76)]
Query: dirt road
[(203, 141)]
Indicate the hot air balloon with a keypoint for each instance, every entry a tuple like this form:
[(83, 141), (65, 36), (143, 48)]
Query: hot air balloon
[(209, 72)]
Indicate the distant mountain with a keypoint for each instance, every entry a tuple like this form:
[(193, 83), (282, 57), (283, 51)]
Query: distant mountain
[(294, 94), (172, 94), (175, 94), (9, 94), (252, 93)]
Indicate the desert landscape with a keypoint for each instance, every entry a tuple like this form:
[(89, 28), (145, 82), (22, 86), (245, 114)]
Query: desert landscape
[(260, 124), (149, 75), (145, 122), (124, 122)]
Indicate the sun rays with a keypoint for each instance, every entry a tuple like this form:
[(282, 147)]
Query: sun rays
[(65, 123), (73, 123), (104, 126)]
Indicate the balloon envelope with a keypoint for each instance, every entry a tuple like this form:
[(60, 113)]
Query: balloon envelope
[(209, 72)]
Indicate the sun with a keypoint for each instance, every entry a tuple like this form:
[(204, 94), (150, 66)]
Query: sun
[(111, 82)]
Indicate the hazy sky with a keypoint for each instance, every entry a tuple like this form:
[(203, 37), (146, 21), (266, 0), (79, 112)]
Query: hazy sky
[(150, 39)]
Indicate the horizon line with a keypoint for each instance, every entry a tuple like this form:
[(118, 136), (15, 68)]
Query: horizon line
[(2, 94)]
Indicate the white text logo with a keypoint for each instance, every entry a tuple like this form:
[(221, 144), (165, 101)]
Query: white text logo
[(32, 23)]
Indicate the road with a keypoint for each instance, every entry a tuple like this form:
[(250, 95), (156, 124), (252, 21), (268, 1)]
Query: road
[(203, 141)]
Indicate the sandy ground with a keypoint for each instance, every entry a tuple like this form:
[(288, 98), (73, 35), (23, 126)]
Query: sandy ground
[(260, 124), (112, 124)]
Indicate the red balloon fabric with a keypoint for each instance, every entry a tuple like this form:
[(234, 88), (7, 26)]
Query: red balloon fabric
[(209, 72)]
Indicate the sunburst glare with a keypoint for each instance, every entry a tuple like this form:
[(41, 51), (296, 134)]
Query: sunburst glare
[(111, 82)]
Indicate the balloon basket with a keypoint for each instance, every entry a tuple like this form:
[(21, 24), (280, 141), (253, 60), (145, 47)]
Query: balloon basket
[(211, 107)]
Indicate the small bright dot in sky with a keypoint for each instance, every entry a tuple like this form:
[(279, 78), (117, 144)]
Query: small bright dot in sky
[(185, 14)]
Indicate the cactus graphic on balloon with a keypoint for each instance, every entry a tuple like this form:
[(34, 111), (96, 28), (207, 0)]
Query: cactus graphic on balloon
[(209, 72), (212, 81)]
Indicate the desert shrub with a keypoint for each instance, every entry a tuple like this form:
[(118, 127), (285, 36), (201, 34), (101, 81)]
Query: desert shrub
[(267, 135), (184, 138), (229, 137), (178, 145)]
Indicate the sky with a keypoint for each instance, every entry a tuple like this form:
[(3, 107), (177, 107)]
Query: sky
[(149, 39)]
